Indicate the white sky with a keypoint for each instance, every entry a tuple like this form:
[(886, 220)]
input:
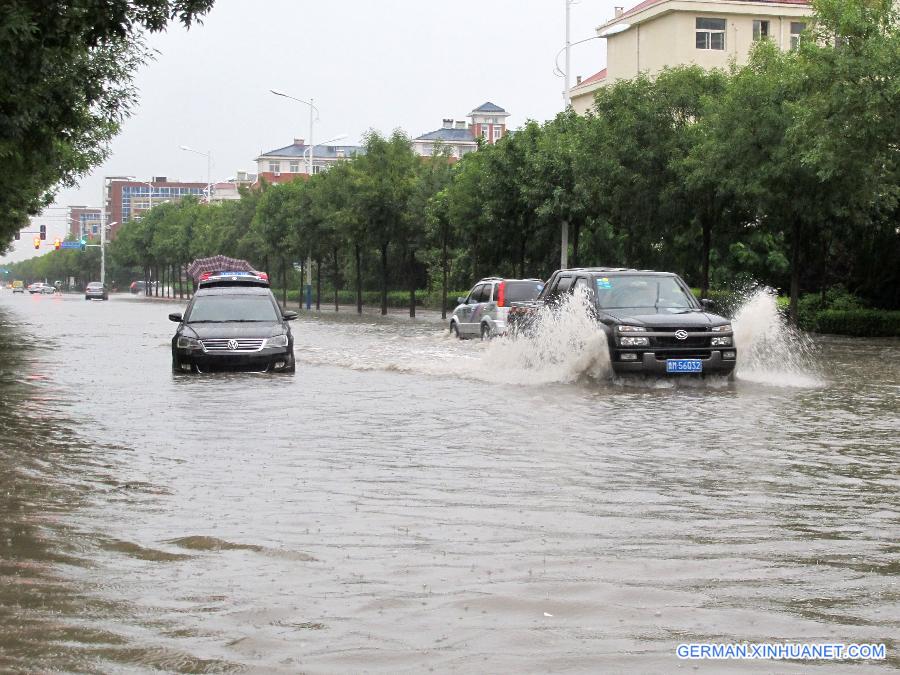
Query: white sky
[(381, 64)]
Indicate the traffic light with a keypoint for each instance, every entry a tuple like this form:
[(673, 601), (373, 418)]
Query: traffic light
[(57, 243), (83, 244), (37, 242), (43, 232)]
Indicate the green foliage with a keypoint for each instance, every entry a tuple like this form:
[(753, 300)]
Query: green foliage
[(65, 87), (858, 322)]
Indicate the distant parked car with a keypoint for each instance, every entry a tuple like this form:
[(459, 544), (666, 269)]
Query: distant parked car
[(95, 291), (18, 286), (138, 287), (483, 312)]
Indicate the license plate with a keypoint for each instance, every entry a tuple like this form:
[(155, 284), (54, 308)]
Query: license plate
[(684, 366)]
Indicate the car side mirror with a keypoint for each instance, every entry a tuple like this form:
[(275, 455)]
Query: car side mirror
[(175, 316), (461, 301), (706, 303), (289, 315)]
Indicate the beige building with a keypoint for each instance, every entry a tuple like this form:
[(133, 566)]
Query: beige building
[(656, 34)]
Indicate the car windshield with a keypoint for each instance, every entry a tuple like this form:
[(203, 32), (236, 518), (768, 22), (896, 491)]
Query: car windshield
[(235, 307), (633, 290)]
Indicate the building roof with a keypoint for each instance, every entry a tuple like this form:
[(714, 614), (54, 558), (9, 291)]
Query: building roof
[(489, 107), (448, 136), (649, 3), (301, 150), (593, 79)]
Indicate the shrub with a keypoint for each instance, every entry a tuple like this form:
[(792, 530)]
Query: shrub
[(858, 322)]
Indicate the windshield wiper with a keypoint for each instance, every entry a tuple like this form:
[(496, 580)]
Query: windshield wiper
[(206, 321)]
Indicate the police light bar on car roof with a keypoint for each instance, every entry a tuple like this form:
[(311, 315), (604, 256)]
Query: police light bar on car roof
[(206, 276)]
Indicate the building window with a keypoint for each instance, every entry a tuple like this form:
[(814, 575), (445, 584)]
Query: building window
[(760, 30), (274, 167), (797, 27), (427, 150), (484, 131), (318, 168), (711, 34), (295, 166), (498, 132)]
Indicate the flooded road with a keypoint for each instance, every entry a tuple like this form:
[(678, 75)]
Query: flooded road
[(407, 502)]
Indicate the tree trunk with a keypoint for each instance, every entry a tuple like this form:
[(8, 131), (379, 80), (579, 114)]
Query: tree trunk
[(358, 278), (444, 275), (384, 277), (334, 258), (283, 283), (795, 272), (576, 235), (318, 284), (157, 280), (707, 244), (412, 284)]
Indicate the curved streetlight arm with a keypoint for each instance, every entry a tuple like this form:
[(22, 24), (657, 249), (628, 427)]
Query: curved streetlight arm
[(557, 70)]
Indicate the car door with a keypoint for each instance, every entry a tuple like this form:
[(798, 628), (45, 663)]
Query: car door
[(465, 312), (482, 307)]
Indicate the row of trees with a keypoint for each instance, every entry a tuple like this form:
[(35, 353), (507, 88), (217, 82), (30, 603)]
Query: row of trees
[(784, 172)]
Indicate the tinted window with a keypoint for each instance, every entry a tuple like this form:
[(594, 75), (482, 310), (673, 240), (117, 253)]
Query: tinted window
[(516, 291), (563, 285), (219, 308), (475, 295), (486, 293)]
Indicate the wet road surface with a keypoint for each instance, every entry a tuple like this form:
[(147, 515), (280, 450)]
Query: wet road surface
[(408, 502)]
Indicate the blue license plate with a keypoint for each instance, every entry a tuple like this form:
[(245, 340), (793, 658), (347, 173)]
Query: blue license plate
[(684, 366)]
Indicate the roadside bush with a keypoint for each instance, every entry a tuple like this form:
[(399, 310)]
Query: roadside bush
[(836, 298), (858, 322)]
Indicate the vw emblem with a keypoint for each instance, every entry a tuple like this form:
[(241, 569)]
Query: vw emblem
[(680, 334), (232, 345)]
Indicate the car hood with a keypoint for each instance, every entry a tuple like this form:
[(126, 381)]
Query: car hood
[(234, 329), (639, 316)]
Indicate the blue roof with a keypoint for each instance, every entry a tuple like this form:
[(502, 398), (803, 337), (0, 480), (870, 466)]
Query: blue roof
[(489, 108), (321, 151), (448, 135)]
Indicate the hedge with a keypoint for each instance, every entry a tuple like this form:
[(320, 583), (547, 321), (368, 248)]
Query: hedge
[(858, 322)]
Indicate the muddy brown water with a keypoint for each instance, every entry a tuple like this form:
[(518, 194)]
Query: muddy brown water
[(408, 503)]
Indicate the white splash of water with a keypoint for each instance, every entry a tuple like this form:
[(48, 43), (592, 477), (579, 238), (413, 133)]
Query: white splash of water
[(563, 345), (770, 351)]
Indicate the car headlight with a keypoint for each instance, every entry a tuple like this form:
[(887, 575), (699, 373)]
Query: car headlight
[(277, 341), (722, 329), (632, 329), (634, 341), (724, 341), (188, 343)]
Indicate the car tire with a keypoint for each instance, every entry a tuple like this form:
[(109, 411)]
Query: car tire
[(486, 333), (87, 297), (454, 331)]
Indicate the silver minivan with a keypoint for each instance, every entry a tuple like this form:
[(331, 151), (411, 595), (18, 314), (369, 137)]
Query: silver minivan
[(482, 313)]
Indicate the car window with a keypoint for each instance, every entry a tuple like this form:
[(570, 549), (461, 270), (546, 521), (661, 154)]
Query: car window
[(563, 284), (237, 307), (486, 293), (517, 291), (475, 294), (657, 291), (582, 284)]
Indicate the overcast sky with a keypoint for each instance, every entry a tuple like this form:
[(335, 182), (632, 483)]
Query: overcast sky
[(368, 64)]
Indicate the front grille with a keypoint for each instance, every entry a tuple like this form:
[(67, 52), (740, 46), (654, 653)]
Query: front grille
[(240, 345), (670, 340)]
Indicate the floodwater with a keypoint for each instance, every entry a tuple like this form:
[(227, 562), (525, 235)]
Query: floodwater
[(407, 502)]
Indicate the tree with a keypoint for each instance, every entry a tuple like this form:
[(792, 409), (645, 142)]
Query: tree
[(65, 87)]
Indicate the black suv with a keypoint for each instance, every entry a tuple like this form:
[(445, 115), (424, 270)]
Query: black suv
[(652, 321), (233, 322)]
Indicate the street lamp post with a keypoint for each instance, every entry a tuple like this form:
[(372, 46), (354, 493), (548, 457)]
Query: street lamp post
[(313, 111), (208, 155)]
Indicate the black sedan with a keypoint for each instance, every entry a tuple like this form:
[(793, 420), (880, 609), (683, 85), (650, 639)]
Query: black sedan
[(233, 327)]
